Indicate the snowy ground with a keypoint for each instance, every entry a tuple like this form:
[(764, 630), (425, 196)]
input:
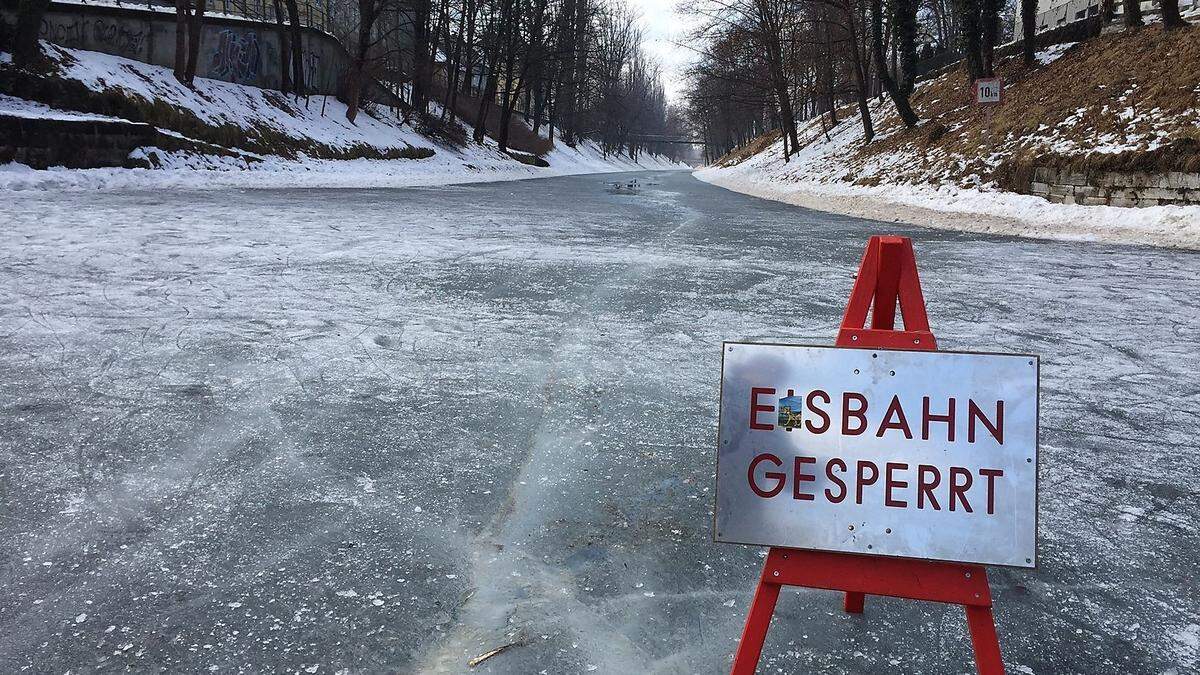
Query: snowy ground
[(318, 119), (947, 184), (392, 430)]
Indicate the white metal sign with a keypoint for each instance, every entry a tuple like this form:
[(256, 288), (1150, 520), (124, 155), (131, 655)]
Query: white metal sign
[(913, 454), (988, 90)]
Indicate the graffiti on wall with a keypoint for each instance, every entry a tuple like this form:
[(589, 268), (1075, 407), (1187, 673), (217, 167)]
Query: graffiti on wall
[(312, 68), (243, 54), (237, 57), (111, 37)]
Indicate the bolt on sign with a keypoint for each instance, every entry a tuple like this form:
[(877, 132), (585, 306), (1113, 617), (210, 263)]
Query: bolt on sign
[(915, 454)]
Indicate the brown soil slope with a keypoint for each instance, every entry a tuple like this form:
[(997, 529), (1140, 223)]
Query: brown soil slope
[(1129, 100)]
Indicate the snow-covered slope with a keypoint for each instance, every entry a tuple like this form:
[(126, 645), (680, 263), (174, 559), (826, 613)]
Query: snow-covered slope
[(262, 117), (949, 172), (472, 165)]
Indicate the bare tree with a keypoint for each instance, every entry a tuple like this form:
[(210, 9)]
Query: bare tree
[(189, 22), (369, 12), (285, 50), (898, 96), (297, 49), (1132, 11), (1029, 30), (1170, 13), (25, 48)]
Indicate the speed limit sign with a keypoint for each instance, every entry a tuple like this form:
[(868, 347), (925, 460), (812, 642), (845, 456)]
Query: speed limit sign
[(988, 90)]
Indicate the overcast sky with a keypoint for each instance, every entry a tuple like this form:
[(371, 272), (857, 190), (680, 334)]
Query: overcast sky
[(663, 28)]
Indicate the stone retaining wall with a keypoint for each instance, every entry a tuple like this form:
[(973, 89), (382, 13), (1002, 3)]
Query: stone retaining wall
[(1116, 189), (74, 143)]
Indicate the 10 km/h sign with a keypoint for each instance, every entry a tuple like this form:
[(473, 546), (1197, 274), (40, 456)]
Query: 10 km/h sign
[(928, 454), (988, 90)]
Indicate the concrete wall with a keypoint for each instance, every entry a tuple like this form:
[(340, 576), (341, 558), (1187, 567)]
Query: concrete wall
[(234, 50), (1116, 189), (1054, 13)]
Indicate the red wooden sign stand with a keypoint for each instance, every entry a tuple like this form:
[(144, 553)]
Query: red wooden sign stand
[(888, 274)]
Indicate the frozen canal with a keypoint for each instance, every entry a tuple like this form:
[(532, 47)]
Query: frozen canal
[(392, 430)]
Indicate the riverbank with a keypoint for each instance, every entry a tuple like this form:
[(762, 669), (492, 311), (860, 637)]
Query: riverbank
[(445, 168), (970, 210)]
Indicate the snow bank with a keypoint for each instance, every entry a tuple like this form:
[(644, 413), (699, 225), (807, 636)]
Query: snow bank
[(971, 210)]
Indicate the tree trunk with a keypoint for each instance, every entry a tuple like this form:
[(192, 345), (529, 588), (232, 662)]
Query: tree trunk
[(899, 98), (298, 84), (1133, 13), (1029, 30), (468, 80), (25, 49), (488, 96), (1108, 12), (905, 19), (354, 83), (830, 75), (509, 100), (860, 76), (449, 102), (1170, 13), (420, 91), (182, 8), (970, 29), (195, 25), (539, 107), (579, 77), (990, 18), (285, 50), (485, 100)]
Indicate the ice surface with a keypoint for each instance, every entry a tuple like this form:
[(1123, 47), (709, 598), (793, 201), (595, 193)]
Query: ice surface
[(392, 430)]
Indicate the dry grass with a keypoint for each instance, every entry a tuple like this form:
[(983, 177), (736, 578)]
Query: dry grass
[(520, 136), (755, 146), (1138, 90)]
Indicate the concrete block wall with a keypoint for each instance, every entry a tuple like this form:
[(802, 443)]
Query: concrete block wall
[(1116, 188), (74, 143)]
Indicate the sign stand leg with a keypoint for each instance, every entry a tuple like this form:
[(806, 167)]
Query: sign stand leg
[(853, 602), (886, 276), (755, 633), (983, 639)]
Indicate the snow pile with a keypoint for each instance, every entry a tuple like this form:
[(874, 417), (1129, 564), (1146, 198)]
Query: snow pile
[(1053, 53), (267, 113), (944, 173)]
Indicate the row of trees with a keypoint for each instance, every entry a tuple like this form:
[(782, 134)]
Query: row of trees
[(572, 65), (575, 66), (769, 64)]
